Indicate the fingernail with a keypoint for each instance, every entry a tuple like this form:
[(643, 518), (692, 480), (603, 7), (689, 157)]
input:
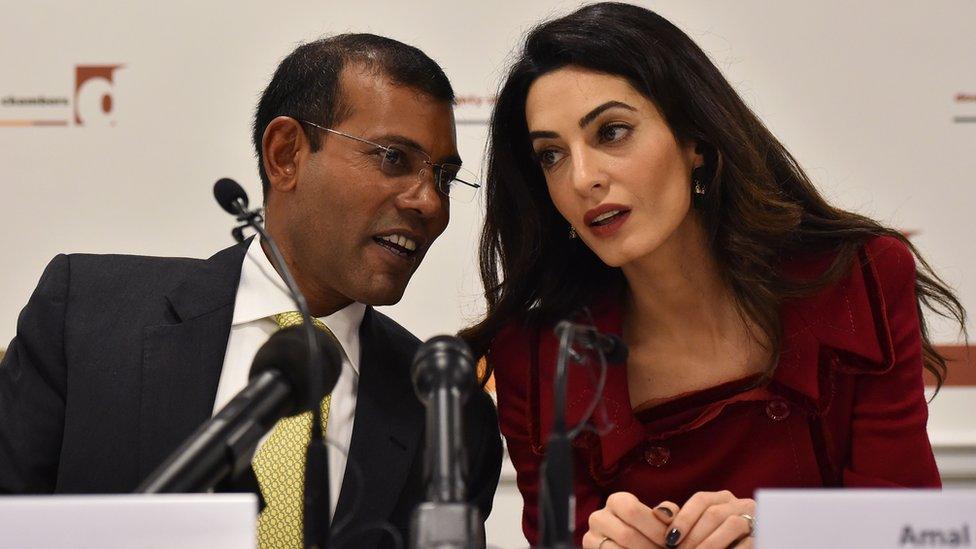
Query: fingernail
[(673, 536), (664, 511)]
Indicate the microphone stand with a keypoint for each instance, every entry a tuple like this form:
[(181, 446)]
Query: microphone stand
[(316, 522), (557, 500)]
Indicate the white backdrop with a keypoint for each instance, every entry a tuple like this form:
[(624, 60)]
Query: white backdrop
[(877, 99)]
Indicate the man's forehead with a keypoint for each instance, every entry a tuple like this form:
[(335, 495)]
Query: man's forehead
[(374, 104)]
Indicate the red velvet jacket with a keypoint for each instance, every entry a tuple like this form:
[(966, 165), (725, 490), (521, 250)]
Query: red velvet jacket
[(845, 406)]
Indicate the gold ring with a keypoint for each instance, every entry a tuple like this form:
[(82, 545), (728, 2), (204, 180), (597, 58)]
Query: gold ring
[(752, 523), (602, 541)]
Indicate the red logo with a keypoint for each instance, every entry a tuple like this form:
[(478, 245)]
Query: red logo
[(93, 92)]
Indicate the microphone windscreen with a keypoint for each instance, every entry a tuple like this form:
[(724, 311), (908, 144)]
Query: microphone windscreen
[(286, 351), (228, 192), (617, 350), (443, 361)]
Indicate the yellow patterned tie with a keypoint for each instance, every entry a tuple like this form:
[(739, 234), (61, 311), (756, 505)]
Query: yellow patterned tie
[(279, 465)]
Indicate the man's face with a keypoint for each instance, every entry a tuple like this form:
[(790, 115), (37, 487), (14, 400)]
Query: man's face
[(355, 233)]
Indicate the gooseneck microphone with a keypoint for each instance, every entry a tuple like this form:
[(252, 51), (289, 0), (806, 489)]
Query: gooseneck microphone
[(224, 445), (557, 500), (232, 198), (443, 377)]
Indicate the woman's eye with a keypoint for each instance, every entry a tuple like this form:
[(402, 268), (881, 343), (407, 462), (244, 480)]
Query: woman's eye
[(548, 157), (615, 132)]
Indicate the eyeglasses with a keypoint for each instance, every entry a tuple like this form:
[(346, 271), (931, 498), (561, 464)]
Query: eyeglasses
[(451, 180)]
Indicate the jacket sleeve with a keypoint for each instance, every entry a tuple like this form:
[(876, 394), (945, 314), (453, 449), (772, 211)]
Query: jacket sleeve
[(486, 459), (889, 442), (32, 388), (510, 357)]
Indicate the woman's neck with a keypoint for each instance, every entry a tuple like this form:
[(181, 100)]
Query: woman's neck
[(677, 292)]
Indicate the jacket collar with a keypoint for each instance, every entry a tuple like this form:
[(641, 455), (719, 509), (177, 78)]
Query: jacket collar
[(847, 320)]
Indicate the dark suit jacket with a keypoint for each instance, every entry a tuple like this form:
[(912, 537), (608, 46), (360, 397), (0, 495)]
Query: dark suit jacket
[(117, 359), (845, 405)]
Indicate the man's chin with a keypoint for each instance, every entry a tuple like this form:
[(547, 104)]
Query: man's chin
[(384, 292)]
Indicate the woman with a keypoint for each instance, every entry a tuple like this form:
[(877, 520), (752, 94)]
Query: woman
[(775, 340)]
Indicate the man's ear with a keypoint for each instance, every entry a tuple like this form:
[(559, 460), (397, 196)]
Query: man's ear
[(282, 146)]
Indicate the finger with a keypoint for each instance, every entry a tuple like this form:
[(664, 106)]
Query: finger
[(747, 543), (605, 523), (690, 513), (712, 518), (666, 511), (597, 541), (734, 528), (637, 515)]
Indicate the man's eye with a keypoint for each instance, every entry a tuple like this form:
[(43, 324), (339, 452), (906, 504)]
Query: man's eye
[(613, 132), (395, 162), (394, 157)]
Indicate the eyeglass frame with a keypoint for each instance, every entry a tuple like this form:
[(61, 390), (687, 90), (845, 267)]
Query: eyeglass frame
[(436, 168)]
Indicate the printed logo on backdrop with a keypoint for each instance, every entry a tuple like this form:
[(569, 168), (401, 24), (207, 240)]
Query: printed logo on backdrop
[(91, 103), (966, 108), (473, 110)]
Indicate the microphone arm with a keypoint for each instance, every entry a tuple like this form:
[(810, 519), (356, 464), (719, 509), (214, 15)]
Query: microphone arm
[(231, 196), (223, 446), (557, 499)]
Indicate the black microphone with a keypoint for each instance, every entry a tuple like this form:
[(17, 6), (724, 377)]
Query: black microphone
[(443, 376), (612, 347), (557, 502), (223, 446), (232, 198)]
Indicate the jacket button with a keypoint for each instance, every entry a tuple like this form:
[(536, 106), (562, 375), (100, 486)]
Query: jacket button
[(778, 410), (657, 456)]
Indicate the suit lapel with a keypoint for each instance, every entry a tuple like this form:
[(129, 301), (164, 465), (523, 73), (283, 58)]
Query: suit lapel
[(387, 430), (182, 360)]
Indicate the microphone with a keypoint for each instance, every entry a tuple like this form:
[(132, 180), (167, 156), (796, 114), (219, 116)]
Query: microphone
[(223, 446), (232, 198), (611, 346), (443, 376)]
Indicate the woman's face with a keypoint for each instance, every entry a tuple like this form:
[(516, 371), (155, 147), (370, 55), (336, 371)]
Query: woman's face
[(613, 168)]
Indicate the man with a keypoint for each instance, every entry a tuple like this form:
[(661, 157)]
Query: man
[(117, 359)]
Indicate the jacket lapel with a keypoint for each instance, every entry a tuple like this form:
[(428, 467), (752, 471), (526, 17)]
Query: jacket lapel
[(182, 360), (388, 426)]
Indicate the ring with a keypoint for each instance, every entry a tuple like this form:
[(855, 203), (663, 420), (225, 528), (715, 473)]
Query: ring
[(602, 541), (752, 524)]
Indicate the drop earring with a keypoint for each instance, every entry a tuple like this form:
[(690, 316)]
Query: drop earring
[(696, 181), (572, 232)]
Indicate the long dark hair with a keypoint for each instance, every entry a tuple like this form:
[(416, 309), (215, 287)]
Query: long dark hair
[(760, 208)]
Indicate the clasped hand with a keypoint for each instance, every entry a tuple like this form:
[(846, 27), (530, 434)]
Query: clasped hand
[(708, 520)]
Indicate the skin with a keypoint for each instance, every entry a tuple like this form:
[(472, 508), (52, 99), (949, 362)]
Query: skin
[(326, 208), (600, 141)]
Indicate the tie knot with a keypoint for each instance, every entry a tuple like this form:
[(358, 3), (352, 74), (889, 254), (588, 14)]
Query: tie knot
[(294, 318)]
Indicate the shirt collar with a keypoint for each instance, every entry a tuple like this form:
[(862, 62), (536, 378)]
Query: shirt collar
[(262, 293)]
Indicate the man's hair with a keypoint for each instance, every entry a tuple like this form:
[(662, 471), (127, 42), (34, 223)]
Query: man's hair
[(306, 84)]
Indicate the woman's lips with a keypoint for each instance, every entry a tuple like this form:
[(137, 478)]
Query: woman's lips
[(608, 225)]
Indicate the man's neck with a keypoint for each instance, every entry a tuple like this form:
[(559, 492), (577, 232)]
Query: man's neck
[(321, 302)]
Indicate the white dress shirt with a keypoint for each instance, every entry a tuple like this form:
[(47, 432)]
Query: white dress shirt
[(262, 294)]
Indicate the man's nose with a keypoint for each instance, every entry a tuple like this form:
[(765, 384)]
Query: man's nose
[(422, 195)]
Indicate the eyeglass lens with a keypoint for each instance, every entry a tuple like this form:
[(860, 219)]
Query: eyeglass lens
[(399, 162)]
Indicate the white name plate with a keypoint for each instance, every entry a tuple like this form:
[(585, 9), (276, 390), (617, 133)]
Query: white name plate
[(186, 521), (865, 519)]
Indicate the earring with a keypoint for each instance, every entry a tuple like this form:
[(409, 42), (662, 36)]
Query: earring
[(696, 181), (572, 232)]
